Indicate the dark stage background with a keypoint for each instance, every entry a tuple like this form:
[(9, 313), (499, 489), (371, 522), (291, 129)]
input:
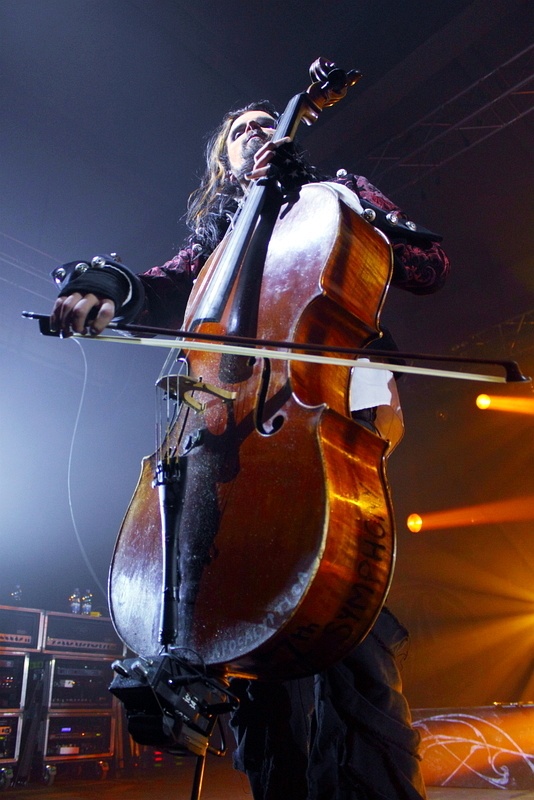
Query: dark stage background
[(105, 104)]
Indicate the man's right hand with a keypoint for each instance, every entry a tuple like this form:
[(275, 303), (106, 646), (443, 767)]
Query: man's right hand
[(81, 313)]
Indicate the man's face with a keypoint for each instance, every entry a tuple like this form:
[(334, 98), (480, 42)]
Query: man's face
[(247, 134)]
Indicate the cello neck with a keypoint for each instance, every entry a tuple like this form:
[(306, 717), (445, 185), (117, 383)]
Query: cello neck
[(240, 264)]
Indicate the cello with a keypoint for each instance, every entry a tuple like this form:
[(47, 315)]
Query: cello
[(268, 549)]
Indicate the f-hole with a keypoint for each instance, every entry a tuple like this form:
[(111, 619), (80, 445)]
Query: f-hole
[(259, 416)]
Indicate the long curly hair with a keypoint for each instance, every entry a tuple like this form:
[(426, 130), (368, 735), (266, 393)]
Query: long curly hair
[(217, 196), (216, 199)]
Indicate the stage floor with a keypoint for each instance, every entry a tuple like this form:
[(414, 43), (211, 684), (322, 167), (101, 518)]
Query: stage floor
[(221, 782)]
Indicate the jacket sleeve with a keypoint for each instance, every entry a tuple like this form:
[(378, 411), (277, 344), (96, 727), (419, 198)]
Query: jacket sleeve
[(421, 265), (167, 288)]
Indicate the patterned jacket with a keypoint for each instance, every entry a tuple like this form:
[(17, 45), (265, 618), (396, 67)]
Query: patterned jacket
[(420, 264)]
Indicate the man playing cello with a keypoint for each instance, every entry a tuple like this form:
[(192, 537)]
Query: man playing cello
[(344, 734)]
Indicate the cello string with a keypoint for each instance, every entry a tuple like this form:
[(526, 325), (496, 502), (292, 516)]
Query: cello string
[(166, 422), (162, 415), (157, 424)]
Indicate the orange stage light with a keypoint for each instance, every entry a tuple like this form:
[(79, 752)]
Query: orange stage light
[(516, 405), (513, 510), (414, 523)]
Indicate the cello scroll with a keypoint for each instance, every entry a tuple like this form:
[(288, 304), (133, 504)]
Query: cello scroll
[(330, 83)]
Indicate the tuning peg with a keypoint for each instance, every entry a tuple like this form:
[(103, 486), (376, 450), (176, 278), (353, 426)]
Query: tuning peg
[(353, 76), (331, 81)]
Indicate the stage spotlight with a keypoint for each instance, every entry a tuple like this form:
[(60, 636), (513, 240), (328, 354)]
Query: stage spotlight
[(414, 523), (514, 509), (515, 405)]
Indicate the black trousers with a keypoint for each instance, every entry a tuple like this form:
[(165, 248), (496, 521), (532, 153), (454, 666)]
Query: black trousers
[(342, 735)]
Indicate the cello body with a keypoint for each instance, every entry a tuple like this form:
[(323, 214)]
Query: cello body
[(285, 533)]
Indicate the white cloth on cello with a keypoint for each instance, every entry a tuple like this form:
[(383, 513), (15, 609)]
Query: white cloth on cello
[(371, 388)]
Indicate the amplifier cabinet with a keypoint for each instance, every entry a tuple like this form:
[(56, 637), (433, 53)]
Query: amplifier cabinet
[(77, 633), (20, 628), (13, 680), (478, 747), (69, 713), (75, 736), (10, 733), (79, 683)]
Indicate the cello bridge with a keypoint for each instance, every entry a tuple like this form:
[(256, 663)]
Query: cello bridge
[(187, 385)]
